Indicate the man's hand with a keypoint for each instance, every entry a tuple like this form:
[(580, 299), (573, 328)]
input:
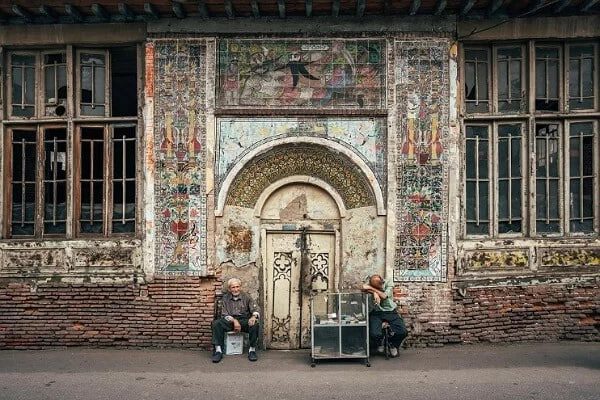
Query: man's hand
[(252, 321), (376, 298), (236, 326)]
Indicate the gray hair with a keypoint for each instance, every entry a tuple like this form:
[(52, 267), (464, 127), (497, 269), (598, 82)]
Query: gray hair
[(232, 281)]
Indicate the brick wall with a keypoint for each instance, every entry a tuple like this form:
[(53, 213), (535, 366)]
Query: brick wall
[(437, 315), (177, 312), (174, 312)]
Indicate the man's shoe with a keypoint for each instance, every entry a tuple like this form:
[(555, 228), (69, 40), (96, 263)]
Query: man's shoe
[(393, 351), (380, 349), (252, 356), (217, 356)]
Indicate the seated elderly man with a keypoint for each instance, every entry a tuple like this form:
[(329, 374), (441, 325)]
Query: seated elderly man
[(239, 314), (384, 309)]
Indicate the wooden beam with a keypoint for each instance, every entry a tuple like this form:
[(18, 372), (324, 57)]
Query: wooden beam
[(229, 11), (203, 10), (150, 12), (467, 5), (100, 12), (23, 13), (308, 7), (588, 5), (255, 9), (281, 7), (440, 7), (74, 13), (561, 6), (360, 8), (335, 8), (48, 12), (178, 10), (414, 7), (126, 12)]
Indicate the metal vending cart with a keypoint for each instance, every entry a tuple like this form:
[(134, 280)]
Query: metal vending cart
[(339, 326)]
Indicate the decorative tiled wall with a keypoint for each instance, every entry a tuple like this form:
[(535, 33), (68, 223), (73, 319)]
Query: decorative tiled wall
[(301, 73), (365, 136), (180, 137), (422, 98), (316, 161)]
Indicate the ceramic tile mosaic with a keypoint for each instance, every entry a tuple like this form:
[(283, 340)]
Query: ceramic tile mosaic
[(180, 137), (301, 73), (422, 95), (365, 136), (316, 161)]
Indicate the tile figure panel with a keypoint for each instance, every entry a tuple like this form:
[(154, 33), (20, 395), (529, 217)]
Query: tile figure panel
[(558, 257), (496, 260), (301, 73), (312, 160), (422, 96), (180, 137), (365, 136)]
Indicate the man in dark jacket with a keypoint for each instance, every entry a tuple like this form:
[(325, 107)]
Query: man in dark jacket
[(239, 314)]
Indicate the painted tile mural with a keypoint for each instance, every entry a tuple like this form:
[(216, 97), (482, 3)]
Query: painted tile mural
[(365, 136), (421, 210), (180, 92), (301, 73)]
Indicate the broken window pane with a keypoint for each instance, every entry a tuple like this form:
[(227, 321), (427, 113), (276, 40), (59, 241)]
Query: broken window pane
[(123, 62), (23, 85), (24, 166), (123, 185), (477, 180), (55, 84), (547, 78), (476, 80), (581, 174), (93, 80), (55, 181), (92, 180), (581, 77), (547, 178)]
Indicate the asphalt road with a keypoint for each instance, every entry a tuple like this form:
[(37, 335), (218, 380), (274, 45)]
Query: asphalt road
[(566, 370)]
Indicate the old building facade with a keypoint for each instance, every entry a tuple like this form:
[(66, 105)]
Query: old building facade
[(152, 150)]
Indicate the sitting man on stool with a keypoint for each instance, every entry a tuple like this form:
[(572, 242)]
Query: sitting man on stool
[(239, 313), (384, 309)]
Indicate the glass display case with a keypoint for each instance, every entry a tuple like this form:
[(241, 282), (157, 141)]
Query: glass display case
[(339, 326)]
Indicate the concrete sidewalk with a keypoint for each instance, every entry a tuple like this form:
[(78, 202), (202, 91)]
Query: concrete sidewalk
[(565, 370)]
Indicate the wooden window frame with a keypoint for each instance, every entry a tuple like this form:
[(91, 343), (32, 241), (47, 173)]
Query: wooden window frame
[(529, 118), (567, 76), (71, 121), (9, 84), (39, 220), (494, 78), (78, 84)]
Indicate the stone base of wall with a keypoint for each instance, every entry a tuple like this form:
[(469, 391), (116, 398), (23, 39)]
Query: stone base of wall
[(177, 312), (174, 312), (503, 314)]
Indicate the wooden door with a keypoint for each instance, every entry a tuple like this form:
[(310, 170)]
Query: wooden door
[(297, 265)]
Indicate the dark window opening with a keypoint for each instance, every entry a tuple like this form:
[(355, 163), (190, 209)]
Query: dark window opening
[(123, 62)]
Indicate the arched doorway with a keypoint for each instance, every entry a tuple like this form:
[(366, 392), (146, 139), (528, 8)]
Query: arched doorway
[(300, 224), (297, 218)]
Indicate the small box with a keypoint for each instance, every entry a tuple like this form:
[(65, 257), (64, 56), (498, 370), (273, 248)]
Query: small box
[(234, 343)]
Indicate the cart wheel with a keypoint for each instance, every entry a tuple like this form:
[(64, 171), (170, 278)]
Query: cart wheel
[(312, 365), (368, 364)]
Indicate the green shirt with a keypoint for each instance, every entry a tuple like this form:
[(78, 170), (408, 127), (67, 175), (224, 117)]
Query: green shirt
[(388, 303)]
